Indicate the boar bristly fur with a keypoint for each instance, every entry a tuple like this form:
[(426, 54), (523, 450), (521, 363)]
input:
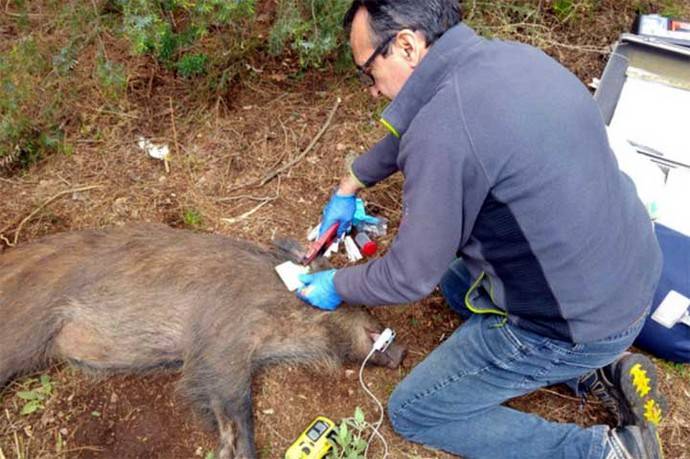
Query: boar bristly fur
[(144, 297)]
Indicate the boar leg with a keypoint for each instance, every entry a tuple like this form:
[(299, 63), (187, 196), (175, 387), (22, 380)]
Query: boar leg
[(220, 386), (236, 427)]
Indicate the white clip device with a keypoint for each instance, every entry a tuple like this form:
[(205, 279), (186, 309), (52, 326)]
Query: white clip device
[(384, 340)]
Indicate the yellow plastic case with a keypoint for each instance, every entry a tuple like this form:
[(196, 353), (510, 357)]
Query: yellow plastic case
[(313, 442)]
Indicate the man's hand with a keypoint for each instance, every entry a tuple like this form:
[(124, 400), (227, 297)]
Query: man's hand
[(340, 209), (319, 290)]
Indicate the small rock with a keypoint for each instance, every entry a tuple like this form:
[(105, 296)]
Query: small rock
[(64, 431), (349, 373), (268, 411)]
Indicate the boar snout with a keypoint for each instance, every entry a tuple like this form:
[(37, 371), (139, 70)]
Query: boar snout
[(395, 354), (391, 357)]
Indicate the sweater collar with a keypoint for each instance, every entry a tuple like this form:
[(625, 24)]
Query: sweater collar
[(450, 49)]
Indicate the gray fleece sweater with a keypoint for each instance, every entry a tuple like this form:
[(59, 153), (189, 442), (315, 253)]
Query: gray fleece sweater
[(507, 165)]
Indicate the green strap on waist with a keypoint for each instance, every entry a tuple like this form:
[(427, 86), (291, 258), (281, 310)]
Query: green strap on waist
[(477, 310)]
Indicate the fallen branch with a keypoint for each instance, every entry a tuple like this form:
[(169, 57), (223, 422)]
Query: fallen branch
[(7, 243), (291, 163), (271, 175), (19, 15), (38, 209), (10, 159), (16, 444), (244, 196), (249, 213), (174, 129), (246, 214)]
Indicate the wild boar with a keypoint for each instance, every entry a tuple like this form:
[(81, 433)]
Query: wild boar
[(147, 296)]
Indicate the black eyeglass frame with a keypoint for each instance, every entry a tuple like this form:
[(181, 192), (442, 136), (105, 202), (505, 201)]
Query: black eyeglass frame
[(365, 77)]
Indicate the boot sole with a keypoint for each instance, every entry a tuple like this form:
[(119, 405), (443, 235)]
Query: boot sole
[(639, 384)]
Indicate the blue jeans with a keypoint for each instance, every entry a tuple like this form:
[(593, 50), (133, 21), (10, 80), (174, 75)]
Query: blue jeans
[(452, 400)]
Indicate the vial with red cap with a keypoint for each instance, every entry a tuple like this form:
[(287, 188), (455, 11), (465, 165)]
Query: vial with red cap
[(365, 244)]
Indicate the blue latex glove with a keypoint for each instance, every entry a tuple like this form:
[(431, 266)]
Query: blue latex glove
[(361, 215), (341, 210), (319, 290)]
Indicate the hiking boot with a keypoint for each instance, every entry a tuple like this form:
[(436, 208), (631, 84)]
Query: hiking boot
[(634, 442), (628, 388)]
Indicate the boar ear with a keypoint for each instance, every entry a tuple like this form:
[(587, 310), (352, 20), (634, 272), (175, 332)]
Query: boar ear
[(290, 248), (294, 251)]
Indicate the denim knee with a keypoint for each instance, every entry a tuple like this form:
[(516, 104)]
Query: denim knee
[(398, 416)]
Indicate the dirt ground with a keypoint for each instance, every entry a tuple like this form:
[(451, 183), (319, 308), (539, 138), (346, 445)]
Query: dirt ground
[(220, 152)]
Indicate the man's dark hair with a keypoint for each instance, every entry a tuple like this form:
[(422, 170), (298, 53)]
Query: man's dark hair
[(386, 17)]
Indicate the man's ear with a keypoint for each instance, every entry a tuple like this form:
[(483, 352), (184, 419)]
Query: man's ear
[(410, 46)]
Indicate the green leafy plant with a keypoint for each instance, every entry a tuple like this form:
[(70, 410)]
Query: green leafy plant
[(39, 391), (192, 64), (192, 218), (563, 8), (312, 27), (567, 10), (28, 128), (111, 76), (152, 27), (673, 9), (349, 439)]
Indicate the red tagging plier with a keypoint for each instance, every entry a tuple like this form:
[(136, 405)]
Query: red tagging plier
[(319, 244)]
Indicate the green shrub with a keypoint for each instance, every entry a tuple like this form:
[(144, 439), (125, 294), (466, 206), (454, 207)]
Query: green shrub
[(168, 29), (111, 76), (192, 64), (172, 30), (563, 8), (674, 9), (28, 125), (311, 27)]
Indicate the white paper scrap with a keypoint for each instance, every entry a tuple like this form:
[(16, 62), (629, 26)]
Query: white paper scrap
[(153, 150)]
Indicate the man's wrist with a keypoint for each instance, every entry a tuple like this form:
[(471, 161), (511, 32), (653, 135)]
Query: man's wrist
[(349, 185)]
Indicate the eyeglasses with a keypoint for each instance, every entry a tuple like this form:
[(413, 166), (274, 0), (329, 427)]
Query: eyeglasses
[(365, 76)]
